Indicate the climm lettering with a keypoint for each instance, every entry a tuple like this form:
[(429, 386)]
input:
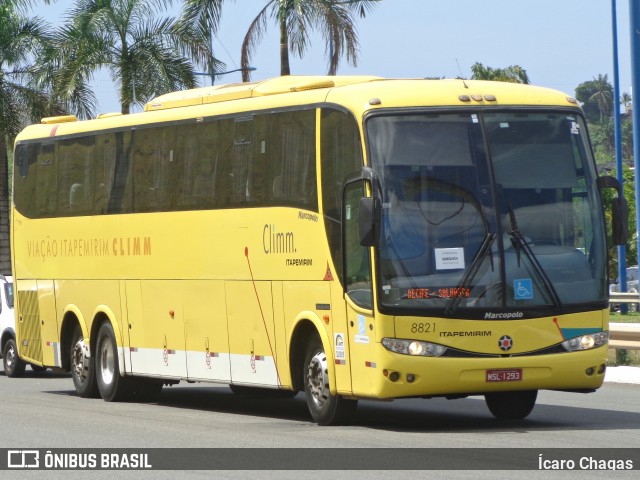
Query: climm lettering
[(274, 241), (128, 246)]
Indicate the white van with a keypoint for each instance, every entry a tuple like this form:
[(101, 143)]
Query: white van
[(13, 365)]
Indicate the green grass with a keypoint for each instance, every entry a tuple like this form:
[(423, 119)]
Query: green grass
[(624, 318)]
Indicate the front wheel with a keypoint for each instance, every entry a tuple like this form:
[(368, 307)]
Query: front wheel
[(325, 408), (511, 405), (13, 365), (111, 385)]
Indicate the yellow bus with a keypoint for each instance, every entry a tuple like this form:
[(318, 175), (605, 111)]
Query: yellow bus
[(346, 237)]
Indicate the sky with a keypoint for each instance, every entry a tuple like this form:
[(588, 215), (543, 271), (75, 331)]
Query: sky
[(560, 43)]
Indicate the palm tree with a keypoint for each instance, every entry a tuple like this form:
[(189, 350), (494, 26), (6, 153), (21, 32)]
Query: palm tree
[(512, 73), (595, 96), (603, 95), (625, 100), (296, 18), (22, 40), (204, 16), (145, 56)]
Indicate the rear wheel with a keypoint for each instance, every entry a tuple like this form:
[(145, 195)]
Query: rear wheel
[(82, 369), (325, 408), (111, 385), (13, 365), (511, 405)]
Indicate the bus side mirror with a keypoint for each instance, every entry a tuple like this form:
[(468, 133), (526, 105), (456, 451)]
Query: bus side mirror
[(367, 222), (620, 221), (619, 211)]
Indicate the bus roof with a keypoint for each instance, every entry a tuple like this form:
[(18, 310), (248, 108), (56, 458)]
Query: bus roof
[(357, 93), (238, 91)]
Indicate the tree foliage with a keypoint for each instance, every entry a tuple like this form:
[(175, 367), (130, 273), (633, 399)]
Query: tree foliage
[(145, 55), (596, 97), (512, 73), (296, 19), (23, 98)]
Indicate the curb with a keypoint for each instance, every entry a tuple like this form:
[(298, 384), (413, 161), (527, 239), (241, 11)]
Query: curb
[(623, 374)]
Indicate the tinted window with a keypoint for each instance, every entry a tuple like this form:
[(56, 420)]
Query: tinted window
[(252, 160), (341, 157)]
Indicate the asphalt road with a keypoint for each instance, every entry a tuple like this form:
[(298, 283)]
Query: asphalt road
[(42, 411)]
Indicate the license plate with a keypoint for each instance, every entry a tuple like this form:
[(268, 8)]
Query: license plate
[(510, 375)]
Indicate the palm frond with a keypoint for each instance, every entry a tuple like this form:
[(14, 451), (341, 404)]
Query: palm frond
[(252, 39)]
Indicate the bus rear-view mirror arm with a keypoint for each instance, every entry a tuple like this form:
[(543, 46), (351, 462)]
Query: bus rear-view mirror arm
[(368, 207)]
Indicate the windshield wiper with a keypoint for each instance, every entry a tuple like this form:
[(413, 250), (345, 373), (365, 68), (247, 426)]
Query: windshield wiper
[(471, 272), (519, 242)]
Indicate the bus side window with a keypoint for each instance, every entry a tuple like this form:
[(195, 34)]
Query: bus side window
[(258, 180), (74, 158), (341, 156), (143, 161), (104, 167), (225, 146), (291, 171), (200, 147), (120, 196), (242, 161), (27, 160), (358, 281)]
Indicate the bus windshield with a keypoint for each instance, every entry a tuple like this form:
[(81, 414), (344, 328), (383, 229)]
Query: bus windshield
[(487, 211)]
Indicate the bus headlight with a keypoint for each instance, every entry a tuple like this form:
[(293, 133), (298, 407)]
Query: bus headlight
[(586, 342), (413, 347)]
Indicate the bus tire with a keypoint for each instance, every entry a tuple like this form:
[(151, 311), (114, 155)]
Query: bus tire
[(37, 368), (325, 408), (511, 405), (82, 367), (13, 365), (111, 385)]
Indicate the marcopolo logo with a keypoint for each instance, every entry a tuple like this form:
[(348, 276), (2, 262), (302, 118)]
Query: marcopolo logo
[(502, 316), (505, 343)]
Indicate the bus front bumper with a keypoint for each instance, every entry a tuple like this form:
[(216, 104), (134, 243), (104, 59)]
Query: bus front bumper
[(397, 375)]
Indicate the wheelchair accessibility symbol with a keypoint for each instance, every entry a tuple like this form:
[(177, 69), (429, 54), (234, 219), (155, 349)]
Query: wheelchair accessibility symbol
[(523, 289)]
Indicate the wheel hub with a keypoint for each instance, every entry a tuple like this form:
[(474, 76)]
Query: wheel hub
[(80, 365), (107, 362), (10, 357), (318, 380)]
